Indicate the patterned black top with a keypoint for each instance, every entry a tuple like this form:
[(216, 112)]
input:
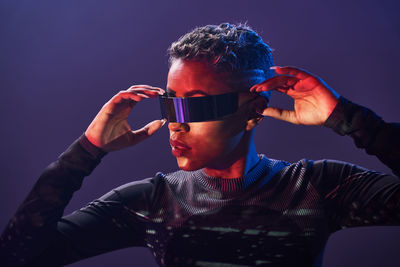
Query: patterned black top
[(279, 214)]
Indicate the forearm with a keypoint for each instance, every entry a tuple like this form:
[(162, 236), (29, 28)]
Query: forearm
[(33, 226), (368, 131)]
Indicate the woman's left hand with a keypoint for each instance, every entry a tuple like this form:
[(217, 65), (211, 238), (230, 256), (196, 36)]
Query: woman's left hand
[(314, 100)]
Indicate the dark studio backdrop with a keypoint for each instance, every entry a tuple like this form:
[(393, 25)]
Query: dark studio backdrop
[(60, 61)]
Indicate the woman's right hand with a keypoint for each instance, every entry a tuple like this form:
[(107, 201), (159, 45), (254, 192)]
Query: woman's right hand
[(110, 130)]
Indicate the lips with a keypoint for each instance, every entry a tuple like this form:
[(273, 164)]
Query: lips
[(179, 149), (179, 145)]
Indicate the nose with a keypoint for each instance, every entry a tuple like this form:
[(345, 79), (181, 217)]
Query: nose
[(178, 127)]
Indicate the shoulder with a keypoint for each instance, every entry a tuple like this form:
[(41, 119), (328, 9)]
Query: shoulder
[(327, 174), (324, 167), (148, 189), (317, 171), (336, 168), (140, 191), (290, 169)]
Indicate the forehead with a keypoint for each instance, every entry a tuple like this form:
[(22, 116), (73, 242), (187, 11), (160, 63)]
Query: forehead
[(191, 78)]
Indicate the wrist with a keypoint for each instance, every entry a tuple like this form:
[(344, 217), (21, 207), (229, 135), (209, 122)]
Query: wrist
[(91, 147)]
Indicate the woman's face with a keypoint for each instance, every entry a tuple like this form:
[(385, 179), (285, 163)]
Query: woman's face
[(204, 144)]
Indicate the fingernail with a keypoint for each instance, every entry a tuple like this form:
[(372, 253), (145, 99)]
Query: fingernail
[(163, 121), (273, 67)]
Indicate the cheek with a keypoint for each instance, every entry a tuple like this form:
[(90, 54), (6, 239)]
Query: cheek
[(210, 142), (215, 136), (206, 134)]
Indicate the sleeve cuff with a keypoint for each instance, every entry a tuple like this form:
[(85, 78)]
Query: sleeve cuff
[(354, 120), (336, 121), (93, 150)]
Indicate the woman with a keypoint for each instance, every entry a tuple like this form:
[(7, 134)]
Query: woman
[(228, 205)]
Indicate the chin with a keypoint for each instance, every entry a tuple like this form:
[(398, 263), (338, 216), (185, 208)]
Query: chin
[(186, 164)]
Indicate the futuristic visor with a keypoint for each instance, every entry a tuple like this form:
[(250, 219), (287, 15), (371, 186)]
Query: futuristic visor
[(197, 109)]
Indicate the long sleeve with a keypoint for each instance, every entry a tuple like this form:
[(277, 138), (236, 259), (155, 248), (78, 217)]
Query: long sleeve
[(355, 195), (37, 235), (369, 131)]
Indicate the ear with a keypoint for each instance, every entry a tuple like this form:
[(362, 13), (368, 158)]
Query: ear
[(260, 103)]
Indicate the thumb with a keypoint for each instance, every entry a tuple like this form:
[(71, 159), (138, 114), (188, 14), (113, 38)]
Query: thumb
[(280, 114), (154, 126), (148, 130), (131, 138)]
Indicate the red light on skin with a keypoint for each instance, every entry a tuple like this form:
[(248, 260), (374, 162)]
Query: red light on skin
[(179, 152), (179, 148)]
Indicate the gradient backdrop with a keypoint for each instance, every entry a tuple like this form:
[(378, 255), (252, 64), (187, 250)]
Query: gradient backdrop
[(60, 61)]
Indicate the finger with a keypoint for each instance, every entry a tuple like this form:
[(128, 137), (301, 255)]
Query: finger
[(156, 90), (130, 96), (125, 98), (147, 131), (280, 114), (275, 83), (147, 87), (132, 93), (143, 95), (148, 93), (291, 70)]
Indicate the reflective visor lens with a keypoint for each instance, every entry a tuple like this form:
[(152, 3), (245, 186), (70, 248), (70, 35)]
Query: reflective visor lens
[(197, 109)]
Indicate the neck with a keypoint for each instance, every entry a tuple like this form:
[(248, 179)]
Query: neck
[(236, 164)]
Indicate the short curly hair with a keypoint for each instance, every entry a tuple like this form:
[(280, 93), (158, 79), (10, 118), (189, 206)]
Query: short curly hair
[(229, 47)]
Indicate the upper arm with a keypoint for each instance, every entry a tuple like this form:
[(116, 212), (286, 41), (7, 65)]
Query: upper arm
[(105, 224), (355, 196)]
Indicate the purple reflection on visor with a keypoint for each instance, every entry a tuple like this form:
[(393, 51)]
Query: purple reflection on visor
[(197, 109)]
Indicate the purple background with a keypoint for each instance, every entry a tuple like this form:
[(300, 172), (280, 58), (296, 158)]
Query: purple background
[(60, 61)]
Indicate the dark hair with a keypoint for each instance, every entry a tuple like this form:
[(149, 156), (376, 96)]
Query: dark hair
[(229, 47)]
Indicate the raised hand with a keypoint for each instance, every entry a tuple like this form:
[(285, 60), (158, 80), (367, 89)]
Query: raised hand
[(314, 100), (110, 130)]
